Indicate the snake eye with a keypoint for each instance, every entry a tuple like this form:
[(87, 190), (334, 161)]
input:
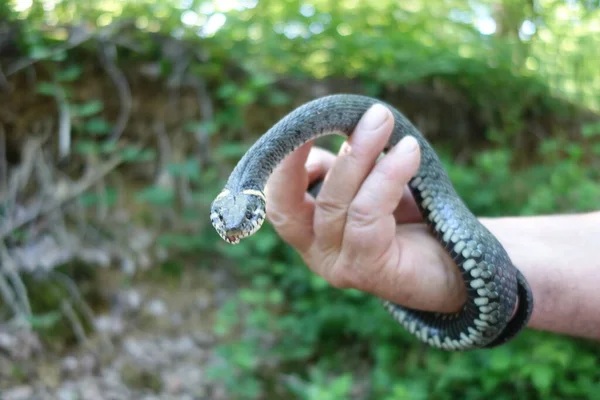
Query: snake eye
[(248, 215)]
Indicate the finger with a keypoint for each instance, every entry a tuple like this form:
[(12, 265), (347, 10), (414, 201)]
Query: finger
[(319, 162), (348, 173), (370, 222), (289, 208), (382, 190)]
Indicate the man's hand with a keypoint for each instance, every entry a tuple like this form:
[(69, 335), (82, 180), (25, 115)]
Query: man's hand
[(364, 230)]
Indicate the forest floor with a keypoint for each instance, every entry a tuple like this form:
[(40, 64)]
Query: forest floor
[(157, 345)]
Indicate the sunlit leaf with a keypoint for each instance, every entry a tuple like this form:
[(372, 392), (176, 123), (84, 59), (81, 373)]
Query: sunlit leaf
[(88, 108), (157, 195), (69, 74), (97, 126), (47, 88)]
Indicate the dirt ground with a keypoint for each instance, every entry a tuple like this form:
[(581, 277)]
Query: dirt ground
[(153, 342)]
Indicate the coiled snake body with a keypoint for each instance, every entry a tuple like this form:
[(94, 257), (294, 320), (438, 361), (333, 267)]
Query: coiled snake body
[(495, 287)]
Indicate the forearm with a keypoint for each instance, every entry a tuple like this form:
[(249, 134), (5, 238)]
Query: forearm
[(559, 257)]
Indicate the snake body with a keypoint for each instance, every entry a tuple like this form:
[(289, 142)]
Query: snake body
[(499, 302)]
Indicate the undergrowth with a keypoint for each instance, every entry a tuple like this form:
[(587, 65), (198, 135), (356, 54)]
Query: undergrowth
[(287, 333)]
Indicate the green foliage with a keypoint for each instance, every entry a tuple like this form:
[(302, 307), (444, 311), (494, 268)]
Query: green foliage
[(287, 333), (318, 321)]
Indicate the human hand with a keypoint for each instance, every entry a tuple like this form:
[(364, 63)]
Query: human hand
[(364, 230)]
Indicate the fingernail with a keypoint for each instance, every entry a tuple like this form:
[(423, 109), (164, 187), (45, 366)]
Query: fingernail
[(407, 145), (374, 117)]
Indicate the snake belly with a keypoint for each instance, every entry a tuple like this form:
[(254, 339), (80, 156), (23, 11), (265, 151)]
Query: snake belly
[(499, 302)]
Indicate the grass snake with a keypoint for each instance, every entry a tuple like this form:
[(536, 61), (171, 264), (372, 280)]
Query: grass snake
[(495, 287)]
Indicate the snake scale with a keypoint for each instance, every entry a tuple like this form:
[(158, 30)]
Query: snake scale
[(499, 302)]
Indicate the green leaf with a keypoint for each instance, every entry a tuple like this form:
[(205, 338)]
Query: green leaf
[(86, 147), (109, 198), (134, 153), (500, 360), (227, 90), (232, 150), (46, 320), (244, 97), (589, 130), (87, 109), (261, 80), (109, 146), (180, 241), (156, 195), (189, 169), (542, 377), (97, 126), (208, 127), (47, 88), (39, 52), (69, 74)]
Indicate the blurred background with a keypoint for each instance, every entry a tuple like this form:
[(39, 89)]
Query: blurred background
[(120, 121)]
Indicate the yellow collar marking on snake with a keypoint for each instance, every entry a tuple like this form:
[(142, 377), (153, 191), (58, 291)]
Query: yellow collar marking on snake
[(223, 193), (254, 192)]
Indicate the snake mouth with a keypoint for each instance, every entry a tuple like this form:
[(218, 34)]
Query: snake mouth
[(235, 236), (231, 239)]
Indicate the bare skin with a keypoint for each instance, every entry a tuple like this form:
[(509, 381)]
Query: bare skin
[(365, 232)]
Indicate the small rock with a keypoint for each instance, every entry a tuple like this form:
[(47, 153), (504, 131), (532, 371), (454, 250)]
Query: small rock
[(203, 301), (100, 257), (70, 364), (157, 307), (134, 348), (7, 341), (66, 393), (141, 377), (176, 319), (87, 363), (49, 375), (141, 240), (90, 391), (221, 296), (130, 300), (184, 345), (18, 393), (203, 339), (20, 344), (144, 261), (128, 266), (111, 378), (161, 254), (172, 383), (110, 324), (185, 378)]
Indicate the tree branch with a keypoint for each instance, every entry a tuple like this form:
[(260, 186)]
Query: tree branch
[(107, 54), (76, 190)]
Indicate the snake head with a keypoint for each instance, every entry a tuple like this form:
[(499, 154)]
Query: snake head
[(238, 215)]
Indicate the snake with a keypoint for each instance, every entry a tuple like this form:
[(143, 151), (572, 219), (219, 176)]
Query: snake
[(499, 300)]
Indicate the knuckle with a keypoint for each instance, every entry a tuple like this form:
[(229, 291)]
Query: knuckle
[(345, 273), (330, 206), (361, 215), (385, 173), (326, 263)]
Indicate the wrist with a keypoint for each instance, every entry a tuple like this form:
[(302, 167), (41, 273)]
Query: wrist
[(546, 249)]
